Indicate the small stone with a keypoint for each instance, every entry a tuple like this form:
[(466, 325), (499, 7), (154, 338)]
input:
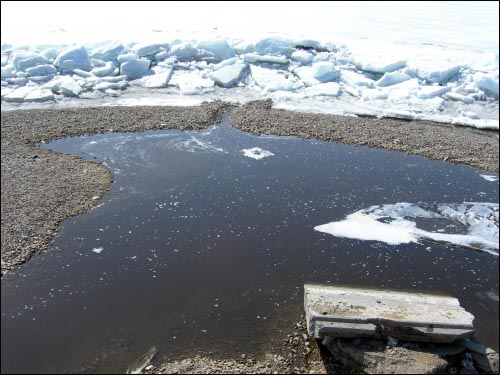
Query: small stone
[(243, 356)]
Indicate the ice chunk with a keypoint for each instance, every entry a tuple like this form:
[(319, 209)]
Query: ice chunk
[(5, 90), (324, 71), (323, 89), (274, 46), (103, 86), (393, 78), (373, 94), (220, 48), (39, 95), (69, 87), (127, 57), (242, 46), (434, 71), (427, 92), (256, 153), (107, 70), (41, 70), (161, 56), (146, 49), (487, 84), (272, 80), (459, 98), (98, 63), (23, 61), (192, 83), (470, 114), (253, 58), (18, 95), (306, 75), (5, 47), (403, 90), (303, 57), (157, 80), (228, 75), (185, 52), (20, 81), (111, 92), (224, 63), (108, 51), (351, 78), (8, 71), (134, 69), (324, 56), (309, 44), (381, 65), (82, 73), (73, 58), (50, 53)]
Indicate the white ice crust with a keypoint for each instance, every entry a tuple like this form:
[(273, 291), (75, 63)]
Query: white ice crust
[(393, 224)]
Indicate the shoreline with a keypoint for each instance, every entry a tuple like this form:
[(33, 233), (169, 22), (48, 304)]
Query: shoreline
[(40, 188)]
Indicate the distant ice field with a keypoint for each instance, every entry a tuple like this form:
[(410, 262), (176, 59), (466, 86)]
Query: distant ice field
[(435, 61)]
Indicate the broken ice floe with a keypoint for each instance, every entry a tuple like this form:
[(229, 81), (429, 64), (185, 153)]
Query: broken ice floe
[(396, 224), (418, 82), (256, 153)]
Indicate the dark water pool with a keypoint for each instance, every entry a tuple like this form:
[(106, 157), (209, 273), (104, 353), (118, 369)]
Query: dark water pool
[(199, 248)]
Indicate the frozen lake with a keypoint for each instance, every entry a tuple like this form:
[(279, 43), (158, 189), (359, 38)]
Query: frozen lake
[(414, 60), (206, 238)]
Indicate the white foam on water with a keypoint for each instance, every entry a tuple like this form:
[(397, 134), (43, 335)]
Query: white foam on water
[(489, 177), (97, 250), (195, 145), (256, 153), (392, 224)]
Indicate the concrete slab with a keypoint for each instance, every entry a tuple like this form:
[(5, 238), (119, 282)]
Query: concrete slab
[(357, 312)]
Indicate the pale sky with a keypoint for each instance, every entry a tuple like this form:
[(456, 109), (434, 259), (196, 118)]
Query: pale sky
[(434, 21)]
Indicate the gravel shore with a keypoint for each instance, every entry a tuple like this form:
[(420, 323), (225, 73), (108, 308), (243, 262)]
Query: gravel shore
[(455, 144), (40, 188)]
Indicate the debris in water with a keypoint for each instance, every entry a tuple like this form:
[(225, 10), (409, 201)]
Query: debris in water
[(97, 250)]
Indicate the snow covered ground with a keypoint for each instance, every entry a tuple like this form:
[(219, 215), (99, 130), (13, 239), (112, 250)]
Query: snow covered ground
[(431, 61)]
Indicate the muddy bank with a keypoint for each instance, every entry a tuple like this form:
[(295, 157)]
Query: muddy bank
[(41, 188), (435, 141)]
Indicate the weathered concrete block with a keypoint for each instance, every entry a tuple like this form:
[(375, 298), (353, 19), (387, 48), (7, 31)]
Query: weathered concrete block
[(357, 312)]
